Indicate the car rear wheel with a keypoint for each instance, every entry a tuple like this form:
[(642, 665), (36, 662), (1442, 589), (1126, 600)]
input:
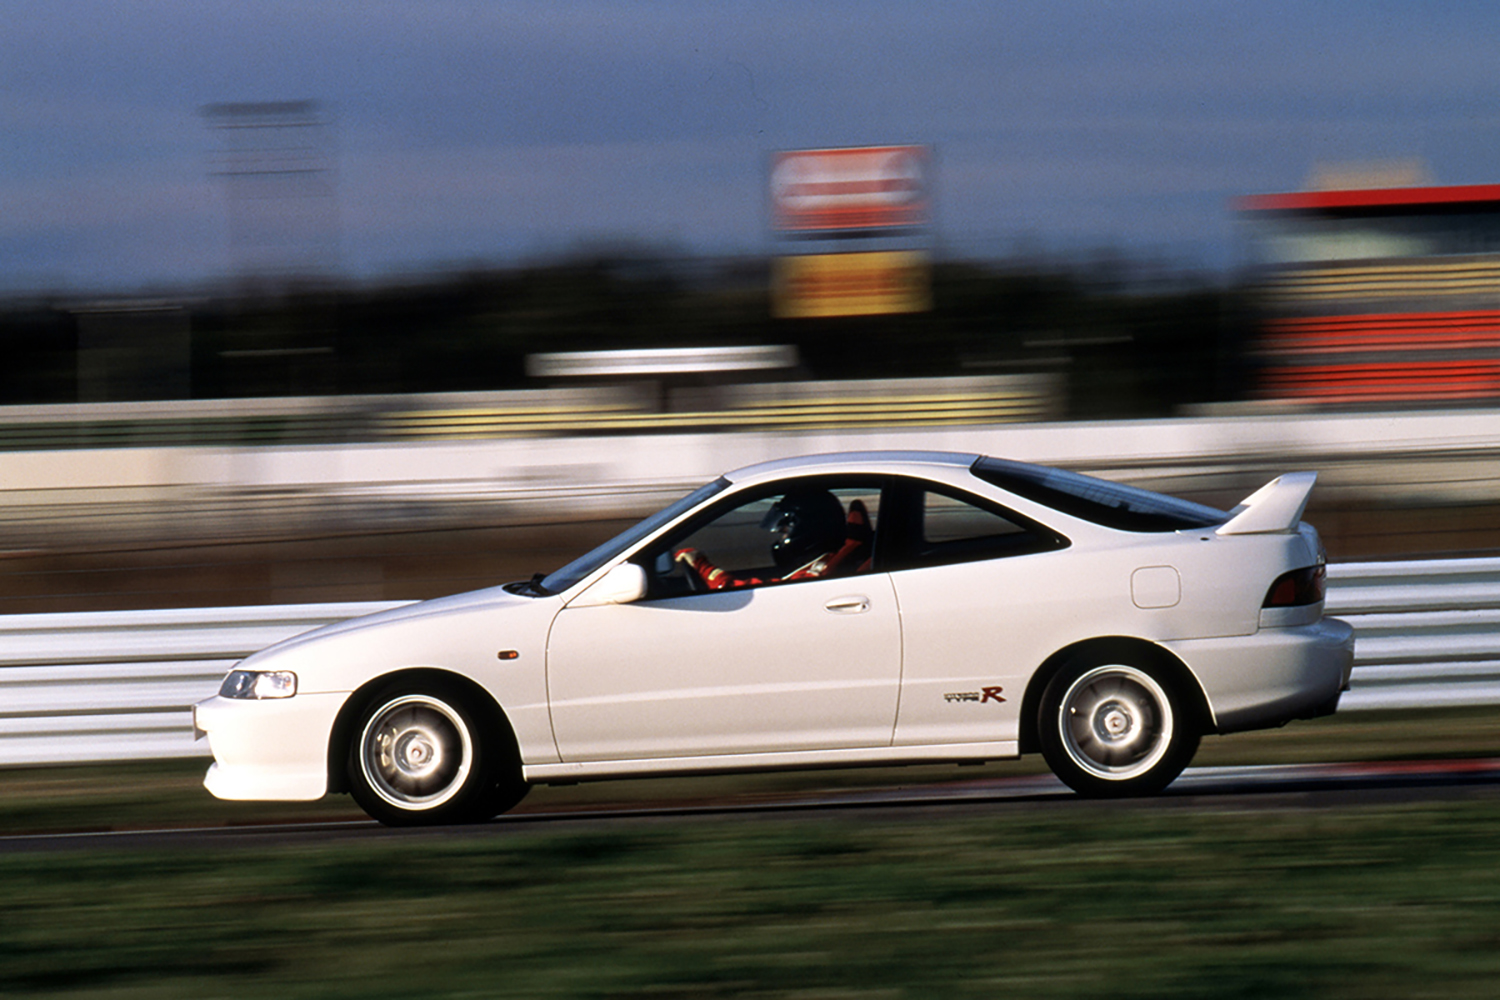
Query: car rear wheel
[(421, 755), (1115, 728)]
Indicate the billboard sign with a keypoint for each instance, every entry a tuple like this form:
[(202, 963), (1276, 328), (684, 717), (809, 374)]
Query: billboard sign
[(851, 284), (850, 190)]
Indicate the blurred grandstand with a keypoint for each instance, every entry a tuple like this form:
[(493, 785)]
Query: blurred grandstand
[(642, 406), (1378, 295)]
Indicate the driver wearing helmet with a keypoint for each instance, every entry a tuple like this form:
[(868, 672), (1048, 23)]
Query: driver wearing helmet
[(813, 539)]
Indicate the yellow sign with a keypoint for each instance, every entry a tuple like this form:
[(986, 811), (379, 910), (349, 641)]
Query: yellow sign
[(851, 284)]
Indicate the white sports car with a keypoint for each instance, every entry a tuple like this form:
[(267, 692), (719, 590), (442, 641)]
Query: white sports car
[(852, 609)]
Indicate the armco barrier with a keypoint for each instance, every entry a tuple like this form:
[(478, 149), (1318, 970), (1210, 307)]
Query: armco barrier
[(118, 685), (1427, 632)]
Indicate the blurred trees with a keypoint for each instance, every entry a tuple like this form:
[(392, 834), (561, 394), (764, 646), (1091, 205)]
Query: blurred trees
[(1128, 342)]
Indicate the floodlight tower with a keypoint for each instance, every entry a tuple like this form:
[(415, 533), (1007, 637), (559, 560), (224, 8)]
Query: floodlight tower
[(276, 163)]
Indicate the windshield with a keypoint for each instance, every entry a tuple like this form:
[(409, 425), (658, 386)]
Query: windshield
[(562, 579), (1113, 505)]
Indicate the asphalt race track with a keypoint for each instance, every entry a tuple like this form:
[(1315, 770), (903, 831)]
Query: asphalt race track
[(1244, 788)]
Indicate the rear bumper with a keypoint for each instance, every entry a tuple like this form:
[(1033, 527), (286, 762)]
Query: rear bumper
[(271, 749), (1274, 676)]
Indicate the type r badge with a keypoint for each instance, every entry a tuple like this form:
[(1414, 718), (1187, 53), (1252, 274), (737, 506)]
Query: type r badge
[(987, 694)]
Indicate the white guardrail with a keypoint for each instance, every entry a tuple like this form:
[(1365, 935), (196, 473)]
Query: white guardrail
[(117, 685)]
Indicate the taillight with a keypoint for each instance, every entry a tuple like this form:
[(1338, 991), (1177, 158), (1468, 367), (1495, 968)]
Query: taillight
[(1299, 587)]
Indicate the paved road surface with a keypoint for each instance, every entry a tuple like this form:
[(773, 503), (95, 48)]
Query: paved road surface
[(1300, 786)]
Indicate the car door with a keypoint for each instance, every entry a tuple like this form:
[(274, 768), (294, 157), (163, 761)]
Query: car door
[(982, 592), (802, 665)]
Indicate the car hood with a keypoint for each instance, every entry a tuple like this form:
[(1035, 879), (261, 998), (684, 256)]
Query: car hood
[(490, 599)]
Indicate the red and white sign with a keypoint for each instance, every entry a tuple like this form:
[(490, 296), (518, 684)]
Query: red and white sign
[(871, 187)]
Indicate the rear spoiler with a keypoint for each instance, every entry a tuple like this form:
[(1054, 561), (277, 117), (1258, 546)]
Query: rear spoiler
[(1274, 509)]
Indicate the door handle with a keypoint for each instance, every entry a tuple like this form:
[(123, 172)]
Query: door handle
[(855, 605)]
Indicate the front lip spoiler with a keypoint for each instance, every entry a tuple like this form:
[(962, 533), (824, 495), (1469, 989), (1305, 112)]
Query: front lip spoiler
[(1326, 708)]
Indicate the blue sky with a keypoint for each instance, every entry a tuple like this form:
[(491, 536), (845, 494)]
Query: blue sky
[(470, 131)]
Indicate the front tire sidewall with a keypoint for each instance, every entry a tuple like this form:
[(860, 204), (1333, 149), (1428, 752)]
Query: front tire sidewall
[(420, 755), (1111, 728)]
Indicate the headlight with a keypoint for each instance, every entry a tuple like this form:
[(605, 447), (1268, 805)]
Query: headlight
[(259, 684)]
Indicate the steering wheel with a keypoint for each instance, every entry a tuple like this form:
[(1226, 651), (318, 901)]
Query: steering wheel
[(695, 582)]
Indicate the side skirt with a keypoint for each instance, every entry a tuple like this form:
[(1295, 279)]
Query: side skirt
[(597, 770)]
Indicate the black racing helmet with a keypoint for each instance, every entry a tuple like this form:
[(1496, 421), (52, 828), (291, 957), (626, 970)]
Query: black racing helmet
[(808, 523)]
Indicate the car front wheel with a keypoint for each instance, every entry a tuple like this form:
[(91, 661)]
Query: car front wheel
[(421, 756), (1114, 729)]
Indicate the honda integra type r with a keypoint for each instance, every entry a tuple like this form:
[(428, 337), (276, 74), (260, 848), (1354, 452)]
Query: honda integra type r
[(852, 609)]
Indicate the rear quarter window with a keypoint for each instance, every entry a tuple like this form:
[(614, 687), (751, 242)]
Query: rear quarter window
[(1112, 505)]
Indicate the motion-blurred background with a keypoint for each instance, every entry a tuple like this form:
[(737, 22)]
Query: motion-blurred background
[(361, 301)]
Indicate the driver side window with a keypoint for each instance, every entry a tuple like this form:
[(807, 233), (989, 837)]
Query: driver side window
[(805, 530)]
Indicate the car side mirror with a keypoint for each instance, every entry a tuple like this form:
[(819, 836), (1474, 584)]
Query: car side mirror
[(621, 585)]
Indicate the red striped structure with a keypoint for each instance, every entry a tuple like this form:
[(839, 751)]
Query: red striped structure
[(1407, 357)]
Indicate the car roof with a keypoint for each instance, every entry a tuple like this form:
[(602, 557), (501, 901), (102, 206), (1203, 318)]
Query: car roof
[(855, 461)]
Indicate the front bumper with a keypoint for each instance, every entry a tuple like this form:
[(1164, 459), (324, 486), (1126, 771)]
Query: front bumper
[(269, 749), (1274, 676)]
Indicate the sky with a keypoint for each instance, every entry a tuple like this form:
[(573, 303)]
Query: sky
[(474, 132)]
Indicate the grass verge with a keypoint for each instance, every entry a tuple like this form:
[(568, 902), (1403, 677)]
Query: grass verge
[(1094, 900)]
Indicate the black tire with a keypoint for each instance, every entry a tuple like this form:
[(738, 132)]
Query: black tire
[(1111, 728), (420, 754)]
